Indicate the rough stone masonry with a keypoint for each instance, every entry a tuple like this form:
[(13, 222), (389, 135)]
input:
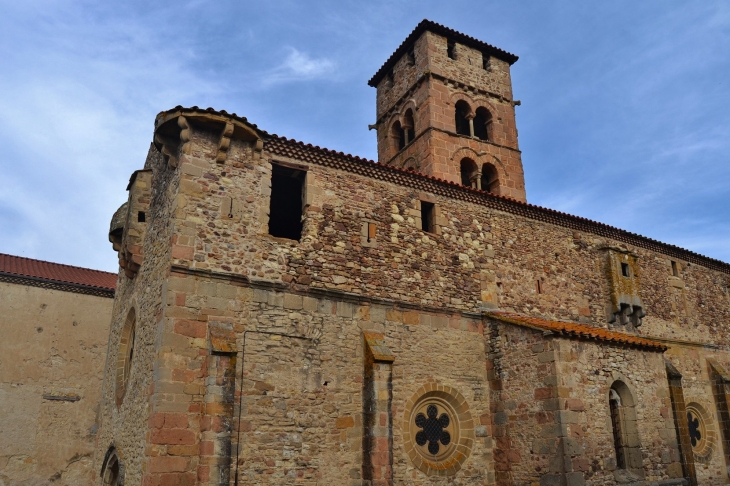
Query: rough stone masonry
[(291, 315)]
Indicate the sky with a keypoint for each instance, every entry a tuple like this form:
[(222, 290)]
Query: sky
[(625, 114)]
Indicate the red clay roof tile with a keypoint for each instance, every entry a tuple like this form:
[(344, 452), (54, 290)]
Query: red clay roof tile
[(56, 272), (578, 330)]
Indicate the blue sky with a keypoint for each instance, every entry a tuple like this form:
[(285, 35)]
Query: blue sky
[(625, 115)]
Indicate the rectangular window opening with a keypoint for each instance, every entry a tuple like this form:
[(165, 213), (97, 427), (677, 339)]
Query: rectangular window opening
[(427, 216), (141, 217), (625, 269), (485, 62), (451, 49), (412, 56), (539, 286), (371, 232), (675, 270), (285, 210)]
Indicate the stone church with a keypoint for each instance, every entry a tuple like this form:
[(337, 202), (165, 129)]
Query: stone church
[(287, 314)]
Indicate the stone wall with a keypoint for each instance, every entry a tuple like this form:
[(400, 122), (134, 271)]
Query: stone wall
[(51, 359), (126, 427), (212, 279)]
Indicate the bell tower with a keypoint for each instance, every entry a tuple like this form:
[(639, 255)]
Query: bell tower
[(445, 109)]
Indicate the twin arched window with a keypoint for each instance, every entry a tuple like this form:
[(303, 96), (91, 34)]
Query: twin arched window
[(486, 179), (476, 124), (403, 133)]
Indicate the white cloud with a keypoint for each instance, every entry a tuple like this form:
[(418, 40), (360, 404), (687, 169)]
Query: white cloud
[(298, 66)]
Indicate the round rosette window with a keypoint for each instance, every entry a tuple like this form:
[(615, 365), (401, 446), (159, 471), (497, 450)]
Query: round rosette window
[(438, 430), (701, 432)]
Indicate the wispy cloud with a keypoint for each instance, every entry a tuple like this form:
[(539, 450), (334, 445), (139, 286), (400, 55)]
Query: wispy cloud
[(299, 66)]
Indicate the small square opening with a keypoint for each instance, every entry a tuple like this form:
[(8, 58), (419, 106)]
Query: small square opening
[(451, 49), (427, 217), (141, 218), (625, 270), (285, 210)]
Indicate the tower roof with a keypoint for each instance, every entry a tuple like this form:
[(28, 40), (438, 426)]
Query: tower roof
[(430, 26)]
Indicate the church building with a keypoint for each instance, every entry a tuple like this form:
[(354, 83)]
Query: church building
[(287, 314)]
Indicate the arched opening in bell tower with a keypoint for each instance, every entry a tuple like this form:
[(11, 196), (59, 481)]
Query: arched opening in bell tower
[(483, 124), (468, 172), (409, 127), (398, 137), (463, 110), (489, 179)]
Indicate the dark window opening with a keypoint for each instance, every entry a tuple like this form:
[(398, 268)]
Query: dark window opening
[(490, 179), (486, 64), (285, 212), (398, 135), (412, 55), (539, 286), (482, 124), (141, 217), (409, 126), (462, 121), (614, 404), (451, 49), (675, 270), (625, 269), (427, 217), (468, 172)]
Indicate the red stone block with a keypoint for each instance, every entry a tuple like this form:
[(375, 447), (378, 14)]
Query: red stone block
[(194, 329), (173, 436)]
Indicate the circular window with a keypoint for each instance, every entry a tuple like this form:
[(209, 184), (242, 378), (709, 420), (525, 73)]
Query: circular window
[(700, 431), (438, 430), (124, 358)]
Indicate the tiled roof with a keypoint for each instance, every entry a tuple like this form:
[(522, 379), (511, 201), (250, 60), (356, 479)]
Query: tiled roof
[(428, 25), (582, 331), (56, 272), (330, 158)]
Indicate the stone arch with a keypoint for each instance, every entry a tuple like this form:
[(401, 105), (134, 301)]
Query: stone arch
[(482, 159), (112, 469), (410, 164), (408, 122), (462, 96), (409, 104), (483, 126), (396, 136), (625, 431), (469, 172), (489, 178), (463, 115)]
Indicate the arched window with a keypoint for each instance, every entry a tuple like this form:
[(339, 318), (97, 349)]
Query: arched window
[(409, 126), (112, 473), (125, 355), (490, 179), (483, 124), (625, 430), (399, 138), (462, 118), (468, 173)]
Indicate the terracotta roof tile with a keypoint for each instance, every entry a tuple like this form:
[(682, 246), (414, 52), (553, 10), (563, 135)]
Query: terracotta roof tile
[(56, 272), (430, 26), (575, 329)]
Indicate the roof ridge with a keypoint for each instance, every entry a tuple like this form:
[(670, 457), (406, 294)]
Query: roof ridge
[(56, 264), (273, 138)]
